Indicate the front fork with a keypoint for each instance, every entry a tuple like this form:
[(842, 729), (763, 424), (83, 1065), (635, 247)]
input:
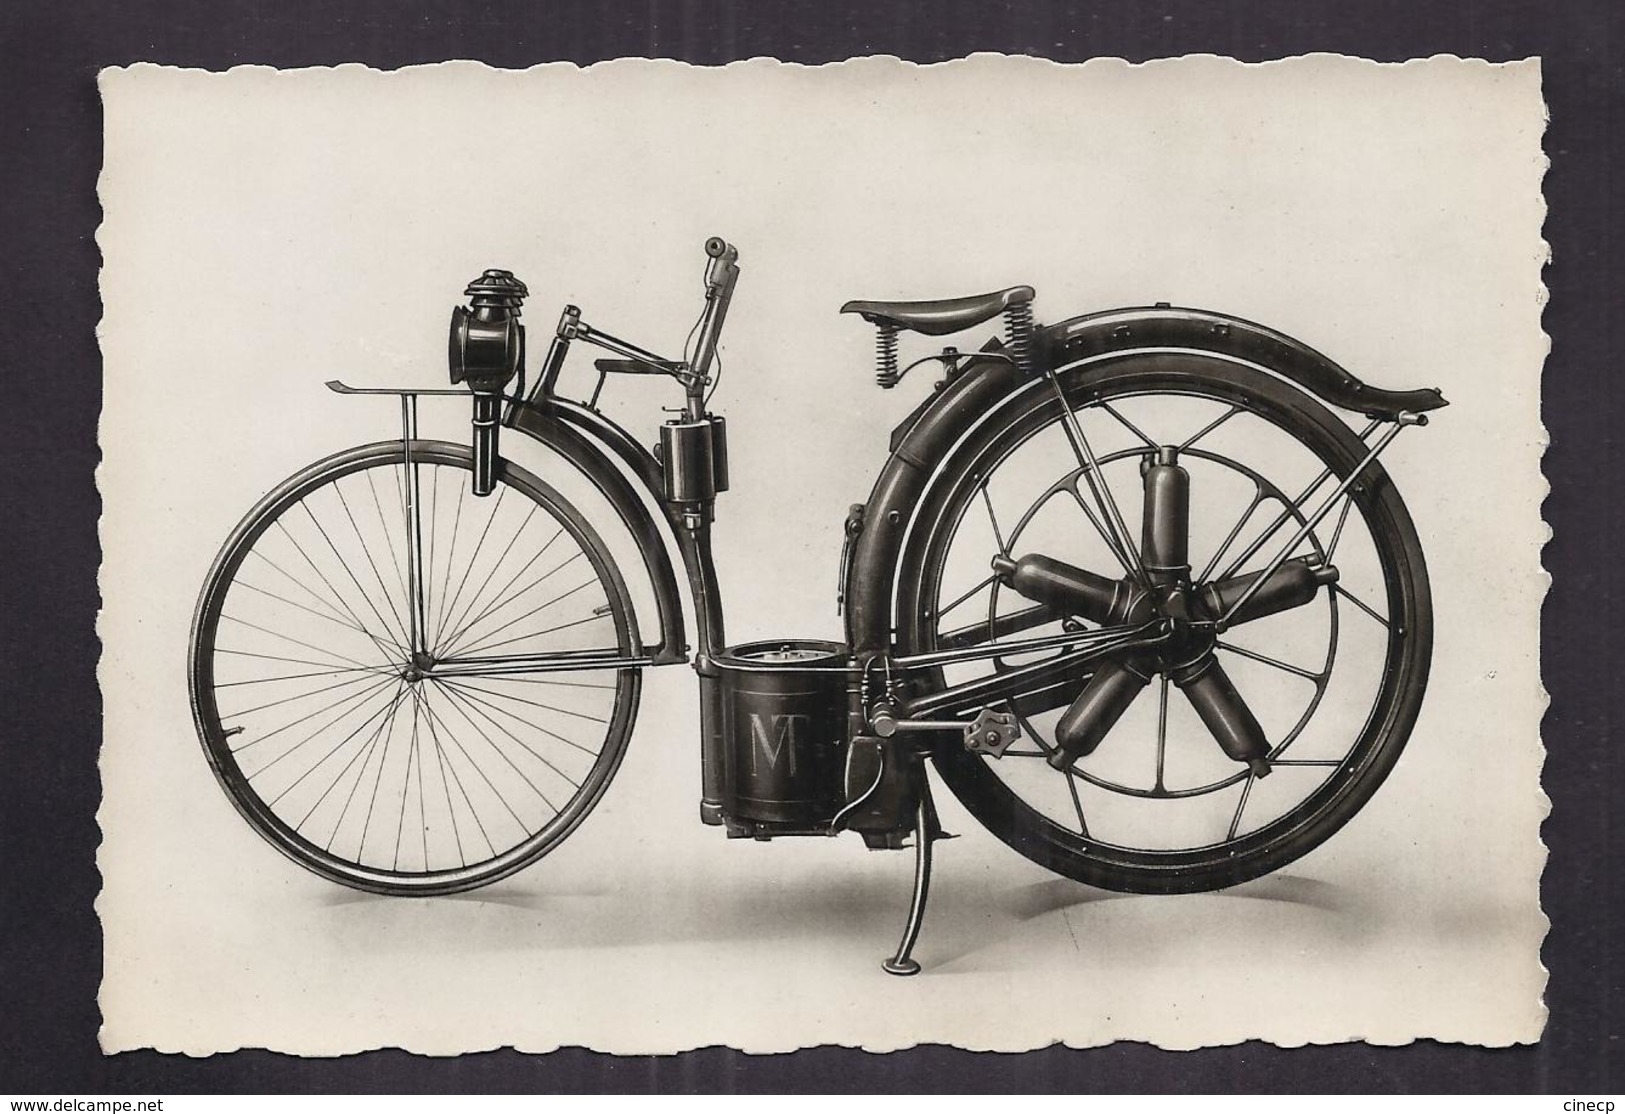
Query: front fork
[(414, 535)]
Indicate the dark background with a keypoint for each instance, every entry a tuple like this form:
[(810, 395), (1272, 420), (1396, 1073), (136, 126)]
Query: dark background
[(50, 726)]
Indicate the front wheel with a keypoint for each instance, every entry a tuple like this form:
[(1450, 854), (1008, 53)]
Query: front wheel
[(357, 669), (1217, 756)]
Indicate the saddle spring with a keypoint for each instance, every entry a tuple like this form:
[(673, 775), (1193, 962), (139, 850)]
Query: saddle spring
[(886, 357), (1018, 334)]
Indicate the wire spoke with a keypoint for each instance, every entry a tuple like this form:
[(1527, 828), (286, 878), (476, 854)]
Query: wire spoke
[(1209, 428), (1358, 602), (295, 696), (1337, 531), (451, 548), (1246, 791), (319, 614), (998, 535), (1098, 486), (1128, 425), (389, 602), (1235, 531), (388, 708), (447, 603), (365, 595), (532, 703), (375, 671), (1077, 802), (484, 642), (308, 590), (488, 647), (1100, 527), (1162, 734), (478, 769), (337, 595), (406, 785), (980, 585), (355, 700), (360, 776), (503, 601), (456, 625), (345, 565), (422, 697), (389, 540), (470, 691), (1287, 667), (521, 679), (473, 559), (480, 705), (295, 641), (1294, 509), (291, 661), (459, 698), (434, 524), (378, 779)]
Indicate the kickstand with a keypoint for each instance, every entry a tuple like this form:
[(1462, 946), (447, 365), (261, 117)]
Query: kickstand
[(925, 833)]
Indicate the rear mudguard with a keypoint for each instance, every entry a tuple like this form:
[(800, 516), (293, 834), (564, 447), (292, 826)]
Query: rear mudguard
[(1199, 330), (986, 381), (582, 437)]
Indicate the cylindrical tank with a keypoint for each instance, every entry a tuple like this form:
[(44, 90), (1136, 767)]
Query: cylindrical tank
[(784, 707), (1165, 531), (1292, 585)]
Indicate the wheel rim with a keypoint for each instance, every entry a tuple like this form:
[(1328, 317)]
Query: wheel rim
[(1056, 829), (343, 746)]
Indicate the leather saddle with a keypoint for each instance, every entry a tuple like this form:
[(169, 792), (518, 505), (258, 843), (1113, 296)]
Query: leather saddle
[(938, 318)]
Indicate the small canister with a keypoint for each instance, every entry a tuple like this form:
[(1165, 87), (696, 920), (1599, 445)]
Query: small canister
[(686, 452)]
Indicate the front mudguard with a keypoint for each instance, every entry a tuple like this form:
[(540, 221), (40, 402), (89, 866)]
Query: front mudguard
[(990, 379), (586, 439), (593, 444)]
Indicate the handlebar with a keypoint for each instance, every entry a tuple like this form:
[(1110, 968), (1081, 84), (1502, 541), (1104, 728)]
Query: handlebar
[(721, 272), (720, 275)]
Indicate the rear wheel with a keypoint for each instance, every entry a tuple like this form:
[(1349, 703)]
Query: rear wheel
[(379, 764), (1161, 780)]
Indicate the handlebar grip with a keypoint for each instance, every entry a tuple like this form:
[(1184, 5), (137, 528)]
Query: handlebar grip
[(722, 269)]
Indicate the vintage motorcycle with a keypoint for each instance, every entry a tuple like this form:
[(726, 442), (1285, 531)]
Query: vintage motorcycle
[(415, 666)]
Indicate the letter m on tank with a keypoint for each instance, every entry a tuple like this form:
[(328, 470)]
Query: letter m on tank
[(773, 740)]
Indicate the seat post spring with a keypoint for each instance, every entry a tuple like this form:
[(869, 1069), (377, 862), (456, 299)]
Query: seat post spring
[(1018, 334), (886, 357)]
